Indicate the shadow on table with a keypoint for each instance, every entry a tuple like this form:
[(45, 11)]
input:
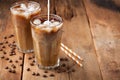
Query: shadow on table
[(109, 4)]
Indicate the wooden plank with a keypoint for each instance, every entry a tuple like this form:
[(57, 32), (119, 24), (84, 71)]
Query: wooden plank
[(104, 19), (77, 36), (6, 29), (27, 75)]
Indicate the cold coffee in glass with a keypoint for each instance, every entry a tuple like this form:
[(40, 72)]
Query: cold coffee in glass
[(47, 38), (21, 14)]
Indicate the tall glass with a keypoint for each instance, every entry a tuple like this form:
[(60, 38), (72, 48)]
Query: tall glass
[(21, 14), (47, 38)]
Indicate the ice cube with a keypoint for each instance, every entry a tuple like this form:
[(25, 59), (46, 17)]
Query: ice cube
[(47, 22), (37, 21), (55, 23), (23, 6)]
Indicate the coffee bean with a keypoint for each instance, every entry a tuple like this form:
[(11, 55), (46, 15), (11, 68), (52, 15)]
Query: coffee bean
[(16, 61), (73, 70), (4, 52), (45, 71), (13, 71), (10, 54), (45, 76), (1, 43), (21, 64), (29, 58), (37, 74), (14, 66), (2, 57), (10, 61), (5, 37), (66, 59), (33, 56), (10, 70), (52, 75), (33, 61), (63, 65), (3, 47), (6, 42), (11, 36), (31, 64), (61, 59), (7, 67), (28, 69), (33, 74), (20, 58), (7, 59), (13, 42)]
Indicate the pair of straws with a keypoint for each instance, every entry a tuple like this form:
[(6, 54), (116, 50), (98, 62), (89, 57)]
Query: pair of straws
[(71, 54)]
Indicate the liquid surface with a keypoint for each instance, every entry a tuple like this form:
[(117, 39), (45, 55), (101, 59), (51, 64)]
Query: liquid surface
[(25, 8)]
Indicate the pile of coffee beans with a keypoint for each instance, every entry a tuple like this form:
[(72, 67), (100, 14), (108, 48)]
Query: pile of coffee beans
[(8, 50)]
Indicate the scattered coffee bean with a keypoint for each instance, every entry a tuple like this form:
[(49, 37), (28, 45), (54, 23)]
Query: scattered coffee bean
[(13, 42), (31, 64), (14, 66), (66, 59), (45, 76), (33, 61), (61, 59), (16, 61), (7, 67), (20, 58), (11, 36), (1, 43), (6, 42), (10, 70), (10, 61), (33, 74), (73, 70), (45, 71), (68, 68), (33, 56), (63, 65), (28, 69), (13, 71), (5, 37), (52, 75), (37, 74), (7, 59), (10, 54), (2, 57), (3, 47), (21, 64), (29, 58), (4, 52)]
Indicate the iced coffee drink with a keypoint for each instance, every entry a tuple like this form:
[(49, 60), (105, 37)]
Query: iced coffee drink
[(46, 38), (21, 15)]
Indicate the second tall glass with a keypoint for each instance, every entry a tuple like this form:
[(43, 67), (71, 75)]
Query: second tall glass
[(21, 15)]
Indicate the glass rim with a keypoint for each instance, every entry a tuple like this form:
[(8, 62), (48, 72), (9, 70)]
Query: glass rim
[(39, 16), (19, 2)]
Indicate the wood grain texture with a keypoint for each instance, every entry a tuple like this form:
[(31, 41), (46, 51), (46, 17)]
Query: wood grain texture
[(6, 29), (105, 27)]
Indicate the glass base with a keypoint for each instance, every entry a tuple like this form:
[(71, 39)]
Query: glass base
[(49, 67), (25, 51)]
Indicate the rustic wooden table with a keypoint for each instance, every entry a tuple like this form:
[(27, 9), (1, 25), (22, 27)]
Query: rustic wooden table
[(91, 29)]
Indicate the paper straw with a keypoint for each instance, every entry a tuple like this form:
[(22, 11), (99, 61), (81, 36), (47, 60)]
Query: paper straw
[(71, 52), (73, 58)]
